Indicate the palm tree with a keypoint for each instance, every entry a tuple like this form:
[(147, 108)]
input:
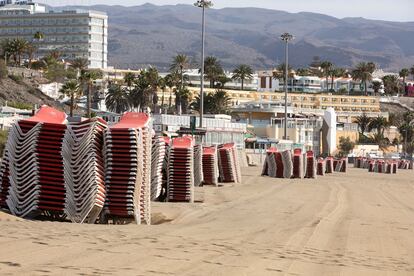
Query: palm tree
[(303, 72), (71, 89), (326, 67), (220, 102), (171, 81), (363, 122), (179, 64), (39, 36), (279, 73), (117, 99), (80, 64), (363, 72), (243, 72), (404, 73), (336, 73), (88, 77), (376, 85), (129, 79), (391, 84), (208, 105), (379, 123), (30, 51), (182, 100), (212, 70), (20, 46)]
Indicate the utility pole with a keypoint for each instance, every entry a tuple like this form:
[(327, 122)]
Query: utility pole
[(204, 4), (286, 37)]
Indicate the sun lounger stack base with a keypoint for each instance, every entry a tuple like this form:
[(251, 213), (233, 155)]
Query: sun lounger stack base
[(229, 166), (180, 183), (287, 164), (210, 166), (198, 165), (84, 170), (128, 169), (34, 166), (4, 177)]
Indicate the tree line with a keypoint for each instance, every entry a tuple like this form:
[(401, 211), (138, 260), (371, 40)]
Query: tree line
[(362, 72), (377, 126)]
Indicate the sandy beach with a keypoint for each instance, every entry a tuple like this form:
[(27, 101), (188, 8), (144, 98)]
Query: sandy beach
[(342, 224)]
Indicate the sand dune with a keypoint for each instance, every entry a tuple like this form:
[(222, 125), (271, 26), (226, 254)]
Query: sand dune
[(354, 224)]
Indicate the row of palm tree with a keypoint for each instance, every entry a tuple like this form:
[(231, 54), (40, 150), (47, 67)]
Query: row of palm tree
[(18, 47), (404, 123), (79, 80)]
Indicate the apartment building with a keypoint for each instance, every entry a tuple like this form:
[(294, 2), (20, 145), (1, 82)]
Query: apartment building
[(75, 33)]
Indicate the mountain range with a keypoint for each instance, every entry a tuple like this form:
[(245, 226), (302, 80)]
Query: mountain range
[(152, 35)]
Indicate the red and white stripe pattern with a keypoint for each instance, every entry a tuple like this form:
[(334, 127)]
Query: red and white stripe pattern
[(229, 165), (210, 166)]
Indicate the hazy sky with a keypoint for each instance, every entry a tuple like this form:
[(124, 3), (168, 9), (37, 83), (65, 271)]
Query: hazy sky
[(395, 10)]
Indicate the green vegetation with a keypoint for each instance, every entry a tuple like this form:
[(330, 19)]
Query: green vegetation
[(19, 105), (363, 72), (243, 72), (345, 146), (3, 70)]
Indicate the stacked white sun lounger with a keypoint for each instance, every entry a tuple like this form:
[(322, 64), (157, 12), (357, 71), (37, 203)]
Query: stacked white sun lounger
[(158, 154), (198, 165), (128, 169), (84, 170)]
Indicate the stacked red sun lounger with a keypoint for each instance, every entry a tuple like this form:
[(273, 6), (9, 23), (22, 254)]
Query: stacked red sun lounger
[(269, 166), (32, 170), (84, 170), (4, 178), (210, 166), (128, 168), (157, 162), (321, 167), (198, 165), (298, 161), (330, 166), (229, 166), (340, 165), (310, 165), (180, 185)]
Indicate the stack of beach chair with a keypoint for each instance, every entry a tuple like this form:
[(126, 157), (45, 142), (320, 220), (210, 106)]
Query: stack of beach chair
[(84, 170), (229, 166), (269, 166), (198, 165), (330, 165), (158, 154), (321, 167), (180, 183), (210, 166), (32, 169), (340, 165), (128, 168), (298, 164), (406, 165), (310, 165)]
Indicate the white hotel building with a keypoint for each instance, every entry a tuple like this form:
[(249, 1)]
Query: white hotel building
[(74, 34)]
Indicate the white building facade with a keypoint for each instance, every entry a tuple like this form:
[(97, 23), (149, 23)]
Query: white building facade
[(75, 34)]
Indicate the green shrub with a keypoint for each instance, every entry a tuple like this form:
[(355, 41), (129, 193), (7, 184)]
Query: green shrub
[(16, 78), (3, 69), (20, 105)]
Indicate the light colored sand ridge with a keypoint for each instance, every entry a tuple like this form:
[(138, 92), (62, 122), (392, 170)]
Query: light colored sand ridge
[(353, 224)]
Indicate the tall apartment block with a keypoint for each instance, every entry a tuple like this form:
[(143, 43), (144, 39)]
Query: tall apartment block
[(75, 33)]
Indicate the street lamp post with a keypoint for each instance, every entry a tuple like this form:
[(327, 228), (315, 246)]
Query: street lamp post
[(202, 4), (286, 37)]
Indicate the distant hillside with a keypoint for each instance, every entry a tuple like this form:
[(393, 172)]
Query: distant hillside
[(150, 34)]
